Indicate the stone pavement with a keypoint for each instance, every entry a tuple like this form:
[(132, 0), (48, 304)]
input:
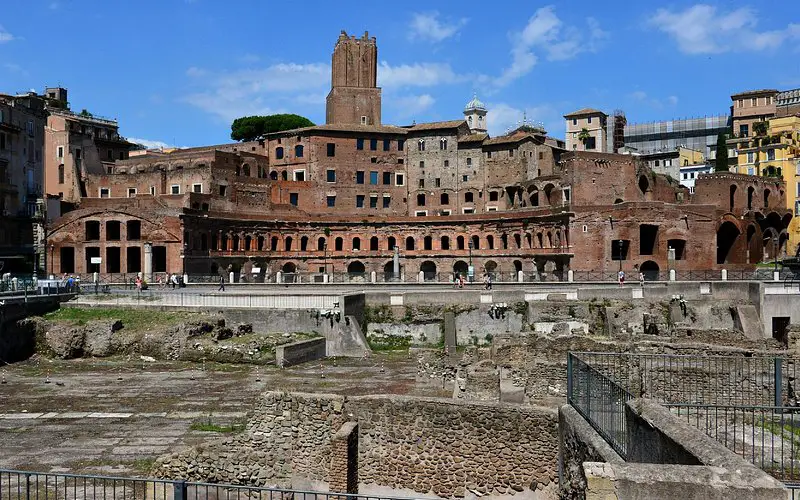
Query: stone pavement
[(117, 416)]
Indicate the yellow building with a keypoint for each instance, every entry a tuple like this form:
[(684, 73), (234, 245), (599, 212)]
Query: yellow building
[(776, 153)]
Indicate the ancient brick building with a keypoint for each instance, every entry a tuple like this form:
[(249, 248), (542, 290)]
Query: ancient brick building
[(350, 195)]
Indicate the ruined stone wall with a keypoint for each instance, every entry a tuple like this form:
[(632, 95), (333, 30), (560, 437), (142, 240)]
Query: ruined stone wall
[(429, 445)]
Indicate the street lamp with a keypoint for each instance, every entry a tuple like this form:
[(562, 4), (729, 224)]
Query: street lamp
[(775, 254), (620, 243), (52, 249)]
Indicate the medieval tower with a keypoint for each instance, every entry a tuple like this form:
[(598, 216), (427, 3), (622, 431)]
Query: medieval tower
[(354, 97)]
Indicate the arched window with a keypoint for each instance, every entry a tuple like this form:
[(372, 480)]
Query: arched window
[(273, 175), (428, 243), (504, 241), (338, 244), (528, 240), (214, 242), (410, 243), (287, 244), (246, 170), (260, 243), (321, 244), (285, 175), (392, 242), (445, 243), (356, 243), (766, 198), (298, 151), (273, 244), (304, 243), (204, 241), (490, 242), (279, 153), (444, 199), (373, 244), (420, 200), (476, 242), (518, 240), (238, 170), (248, 241), (224, 242), (61, 174), (460, 243)]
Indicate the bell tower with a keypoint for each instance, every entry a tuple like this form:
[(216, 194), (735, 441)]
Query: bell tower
[(475, 115), (354, 98)]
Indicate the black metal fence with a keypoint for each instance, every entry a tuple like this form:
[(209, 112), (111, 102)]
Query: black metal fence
[(747, 403), (767, 436), (19, 485), (600, 400), (735, 379)]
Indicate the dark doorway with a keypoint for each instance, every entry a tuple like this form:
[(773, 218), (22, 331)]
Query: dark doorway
[(428, 269), (67, 257), (650, 270), (727, 235), (648, 239), (619, 249), (113, 259), (159, 259), (92, 253), (460, 268), (134, 259), (780, 329)]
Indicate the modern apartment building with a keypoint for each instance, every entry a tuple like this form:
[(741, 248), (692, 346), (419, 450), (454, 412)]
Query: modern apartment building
[(22, 209), (699, 134), (776, 154), (587, 130)]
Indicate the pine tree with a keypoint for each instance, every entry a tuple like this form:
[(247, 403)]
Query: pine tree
[(721, 164)]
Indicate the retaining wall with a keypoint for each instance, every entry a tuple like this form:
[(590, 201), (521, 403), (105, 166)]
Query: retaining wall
[(299, 352)]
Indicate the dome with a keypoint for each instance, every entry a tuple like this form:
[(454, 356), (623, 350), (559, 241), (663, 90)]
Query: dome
[(475, 103)]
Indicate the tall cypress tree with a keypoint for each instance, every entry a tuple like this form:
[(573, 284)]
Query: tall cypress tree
[(721, 164)]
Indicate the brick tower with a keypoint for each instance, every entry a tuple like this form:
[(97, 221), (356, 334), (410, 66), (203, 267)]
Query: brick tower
[(354, 97)]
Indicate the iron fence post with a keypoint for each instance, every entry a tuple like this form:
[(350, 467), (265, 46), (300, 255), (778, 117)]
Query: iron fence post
[(778, 382), (27, 486), (569, 377), (180, 490)]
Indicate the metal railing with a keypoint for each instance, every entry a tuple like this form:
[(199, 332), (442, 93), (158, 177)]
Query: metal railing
[(18, 485), (766, 436), (600, 401), (747, 403), (735, 379)]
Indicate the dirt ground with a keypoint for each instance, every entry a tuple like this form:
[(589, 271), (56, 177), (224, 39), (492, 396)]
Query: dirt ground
[(115, 416)]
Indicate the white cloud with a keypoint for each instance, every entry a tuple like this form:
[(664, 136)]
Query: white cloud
[(416, 75), (548, 36), (258, 91), (501, 117), (412, 105), (703, 29), (427, 26), (643, 98), (149, 144), (15, 69), (5, 36), (195, 72)]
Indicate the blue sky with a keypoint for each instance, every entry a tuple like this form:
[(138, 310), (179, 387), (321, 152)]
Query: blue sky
[(178, 71)]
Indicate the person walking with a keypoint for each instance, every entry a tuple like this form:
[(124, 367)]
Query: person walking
[(641, 278), (221, 284), (621, 278)]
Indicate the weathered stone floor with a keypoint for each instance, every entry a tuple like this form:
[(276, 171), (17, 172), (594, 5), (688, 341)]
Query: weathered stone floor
[(116, 416)]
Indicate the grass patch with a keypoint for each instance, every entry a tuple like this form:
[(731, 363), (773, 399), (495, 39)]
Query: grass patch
[(209, 426), (134, 319)]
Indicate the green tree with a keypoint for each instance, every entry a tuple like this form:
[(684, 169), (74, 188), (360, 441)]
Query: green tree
[(721, 164), (584, 136), (249, 128), (85, 113), (760, 128)]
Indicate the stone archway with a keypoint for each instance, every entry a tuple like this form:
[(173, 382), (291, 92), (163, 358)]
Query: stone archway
[(460, 268), (650, 270), (428, 269), (727, 237), (289, 270)]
